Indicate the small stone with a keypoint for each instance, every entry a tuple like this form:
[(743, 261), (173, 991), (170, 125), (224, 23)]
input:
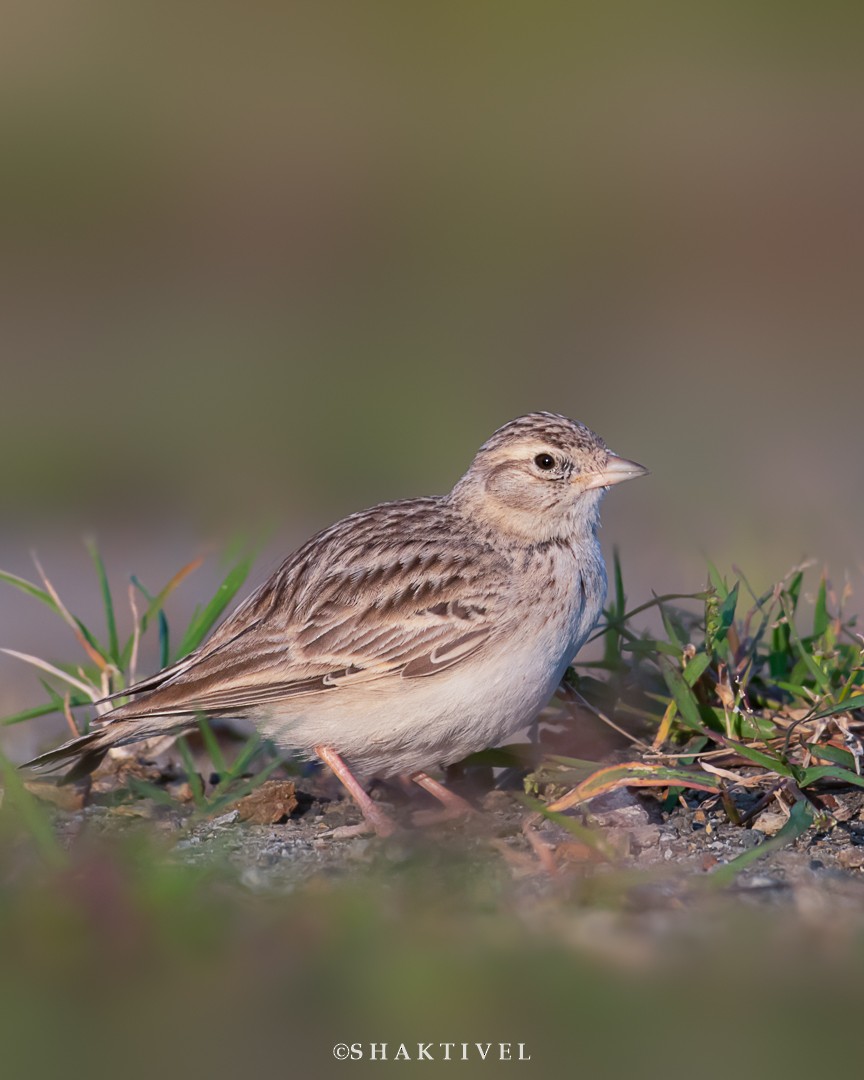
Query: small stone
[(359, 848), (497, 800), (618, 809), (275, 801), (254, 879), (761, 881), (851, 858), (645, 836), (190, 842)]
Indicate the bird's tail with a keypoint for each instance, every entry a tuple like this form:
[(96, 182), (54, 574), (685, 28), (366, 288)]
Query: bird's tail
[(88, 751)]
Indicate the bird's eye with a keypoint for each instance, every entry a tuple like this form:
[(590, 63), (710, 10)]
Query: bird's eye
[(544, 461)]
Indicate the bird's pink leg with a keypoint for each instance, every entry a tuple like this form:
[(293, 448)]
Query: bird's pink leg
[(374, 817), (454, 805)]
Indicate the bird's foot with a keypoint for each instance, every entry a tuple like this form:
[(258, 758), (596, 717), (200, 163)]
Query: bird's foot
[(383, 825), (374, 818), (453, 805)]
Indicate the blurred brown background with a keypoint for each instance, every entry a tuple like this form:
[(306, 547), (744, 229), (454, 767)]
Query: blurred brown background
[(264, 264)]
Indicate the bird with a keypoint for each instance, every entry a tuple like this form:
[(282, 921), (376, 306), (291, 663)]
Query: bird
[(406, 636)]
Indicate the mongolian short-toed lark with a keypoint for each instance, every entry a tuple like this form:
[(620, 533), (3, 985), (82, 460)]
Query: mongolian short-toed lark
[(409, 635)]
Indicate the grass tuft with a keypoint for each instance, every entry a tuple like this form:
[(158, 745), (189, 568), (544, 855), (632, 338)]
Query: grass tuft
[(730, 696)]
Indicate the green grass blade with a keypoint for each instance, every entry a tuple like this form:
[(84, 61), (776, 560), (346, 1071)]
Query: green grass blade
[(727, 613), (30, 589), (778, 660), (581, 764), (145, 790), (840, 757), (758, 757), (853, 683), (856, 702), (164, 636), (832, 772), (33, 817), (30, 714), (239, 767), (107, 602), (212, 746), (684, 698), (800, 820), (203, 621), (619, 624), (650, 647), (821, 619), (46, 598), (806, 661), (591, 838), (696, 668), (797, 690), (620, 598), (513, 756), (614, 616), (92, 640), (674, 631), (794, 590), (219, 803), (155, 604), (717, 582), (192, 777), (164, 641)]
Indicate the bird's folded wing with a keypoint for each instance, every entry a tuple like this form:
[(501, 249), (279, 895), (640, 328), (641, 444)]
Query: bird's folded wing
[(415, 624)]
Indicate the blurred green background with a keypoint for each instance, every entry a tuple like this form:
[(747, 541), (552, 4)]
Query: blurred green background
[(264, 265)]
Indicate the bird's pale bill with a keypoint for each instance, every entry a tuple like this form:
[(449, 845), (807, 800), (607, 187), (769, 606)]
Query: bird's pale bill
[(616, 471)]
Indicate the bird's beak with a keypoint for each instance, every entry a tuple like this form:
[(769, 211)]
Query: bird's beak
[(616, 471)]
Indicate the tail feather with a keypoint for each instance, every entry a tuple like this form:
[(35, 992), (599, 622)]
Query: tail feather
[(87, 751)]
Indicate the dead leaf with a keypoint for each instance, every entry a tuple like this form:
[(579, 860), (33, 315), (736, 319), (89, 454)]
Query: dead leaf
[(770, 822), (634, 774), (269, 804)]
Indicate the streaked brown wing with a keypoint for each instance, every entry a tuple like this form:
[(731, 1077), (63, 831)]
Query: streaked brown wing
[(355, 612)]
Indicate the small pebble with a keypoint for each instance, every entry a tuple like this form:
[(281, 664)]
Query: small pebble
[(851, 858)]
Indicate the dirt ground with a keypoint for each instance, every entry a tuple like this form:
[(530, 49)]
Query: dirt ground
[(651, 860)]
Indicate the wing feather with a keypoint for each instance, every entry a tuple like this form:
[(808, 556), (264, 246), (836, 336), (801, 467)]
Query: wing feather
[(350, 606)]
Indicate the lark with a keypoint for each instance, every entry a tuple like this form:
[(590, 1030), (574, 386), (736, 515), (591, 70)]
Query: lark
[(406, 636)]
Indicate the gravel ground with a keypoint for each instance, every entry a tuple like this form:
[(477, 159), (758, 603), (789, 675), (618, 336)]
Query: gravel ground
[(655, 860)]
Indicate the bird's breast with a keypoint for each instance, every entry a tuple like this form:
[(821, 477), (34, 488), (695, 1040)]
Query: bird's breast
[(566, 592)]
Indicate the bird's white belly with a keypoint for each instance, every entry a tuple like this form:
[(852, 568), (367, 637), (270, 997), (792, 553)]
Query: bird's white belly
[(427, 722), (393, 725)]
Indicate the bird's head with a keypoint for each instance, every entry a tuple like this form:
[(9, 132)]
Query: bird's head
[(541, 476)]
